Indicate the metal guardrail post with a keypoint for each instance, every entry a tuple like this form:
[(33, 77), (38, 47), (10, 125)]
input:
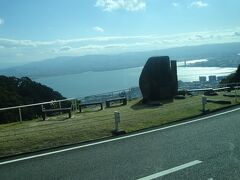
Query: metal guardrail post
[(74, 104), (60, 104), (20, 115)]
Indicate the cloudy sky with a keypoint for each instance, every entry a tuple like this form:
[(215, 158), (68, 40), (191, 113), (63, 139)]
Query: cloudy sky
[(36, 30)]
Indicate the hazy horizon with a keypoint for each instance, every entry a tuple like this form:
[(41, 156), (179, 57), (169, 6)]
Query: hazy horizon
[(12, 65)]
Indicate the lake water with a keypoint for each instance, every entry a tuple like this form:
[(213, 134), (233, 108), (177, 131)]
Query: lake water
[(90, 83)]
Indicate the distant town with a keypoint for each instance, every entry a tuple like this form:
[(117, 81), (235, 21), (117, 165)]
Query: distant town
[(203, 82)]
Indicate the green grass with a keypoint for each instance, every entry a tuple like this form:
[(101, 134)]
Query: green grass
[(56, 131)]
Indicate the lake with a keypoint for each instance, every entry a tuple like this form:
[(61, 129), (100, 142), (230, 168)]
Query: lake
[(91, 83)]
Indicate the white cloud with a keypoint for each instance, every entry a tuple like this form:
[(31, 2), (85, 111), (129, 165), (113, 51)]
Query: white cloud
[(108, 41), (199, 4), (175, 4), (19, 54), (29, 50), (65, 48), (11, 43), (1, 21), (129, 5), (98, 29), (99, 47)]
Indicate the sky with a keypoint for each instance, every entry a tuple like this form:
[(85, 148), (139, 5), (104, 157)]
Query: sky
[(37, 30)]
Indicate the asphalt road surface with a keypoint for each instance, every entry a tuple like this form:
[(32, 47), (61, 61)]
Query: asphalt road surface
[(203, 148)]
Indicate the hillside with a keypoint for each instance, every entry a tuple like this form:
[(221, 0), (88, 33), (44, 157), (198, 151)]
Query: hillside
[(15, 92), (218, 55), (233, 78)]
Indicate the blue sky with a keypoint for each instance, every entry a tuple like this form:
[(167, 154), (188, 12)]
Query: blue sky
[(36, 30)]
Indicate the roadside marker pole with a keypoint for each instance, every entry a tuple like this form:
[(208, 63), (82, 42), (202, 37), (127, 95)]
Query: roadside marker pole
[(235, 95), (117, 120), (117, 130), (204, 102)]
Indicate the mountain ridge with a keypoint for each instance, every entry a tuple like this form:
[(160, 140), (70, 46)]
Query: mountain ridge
[(219, 55)]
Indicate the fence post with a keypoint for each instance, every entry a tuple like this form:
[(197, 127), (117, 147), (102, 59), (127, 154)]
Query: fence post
[(60, 104), (73, 105), (20, 114), (76, 104)]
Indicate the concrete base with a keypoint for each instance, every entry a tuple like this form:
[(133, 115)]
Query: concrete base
[(119, 132)]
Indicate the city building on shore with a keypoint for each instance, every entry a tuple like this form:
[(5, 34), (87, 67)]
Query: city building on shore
[(202, 79), (212, 79)]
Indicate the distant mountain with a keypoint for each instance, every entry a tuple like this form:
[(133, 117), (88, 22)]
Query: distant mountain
[(219, 55)]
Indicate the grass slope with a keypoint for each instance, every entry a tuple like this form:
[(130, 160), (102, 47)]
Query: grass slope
[(36, 135)]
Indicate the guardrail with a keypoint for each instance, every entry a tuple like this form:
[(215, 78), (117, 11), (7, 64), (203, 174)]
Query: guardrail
[(73, 105)]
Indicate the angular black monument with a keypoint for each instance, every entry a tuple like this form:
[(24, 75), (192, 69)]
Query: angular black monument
[(158, 80)]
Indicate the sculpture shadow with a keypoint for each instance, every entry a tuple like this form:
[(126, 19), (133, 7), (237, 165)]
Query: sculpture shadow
[(52, 118), (115, 105), (154, 105), (89, 110)]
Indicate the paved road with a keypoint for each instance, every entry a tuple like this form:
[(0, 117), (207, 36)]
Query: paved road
[(204, 149)]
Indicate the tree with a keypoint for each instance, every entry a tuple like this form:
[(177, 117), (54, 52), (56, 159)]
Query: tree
[(232, 78), (18, 91)]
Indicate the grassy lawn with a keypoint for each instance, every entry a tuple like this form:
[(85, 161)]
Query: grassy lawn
[(56, 131)]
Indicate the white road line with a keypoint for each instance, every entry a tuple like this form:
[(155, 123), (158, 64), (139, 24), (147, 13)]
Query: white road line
[(116, 139), (168, 171)]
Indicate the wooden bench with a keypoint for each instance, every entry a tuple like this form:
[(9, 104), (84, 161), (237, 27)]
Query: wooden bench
[(84, 105), (63, 110), (123, 100)]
